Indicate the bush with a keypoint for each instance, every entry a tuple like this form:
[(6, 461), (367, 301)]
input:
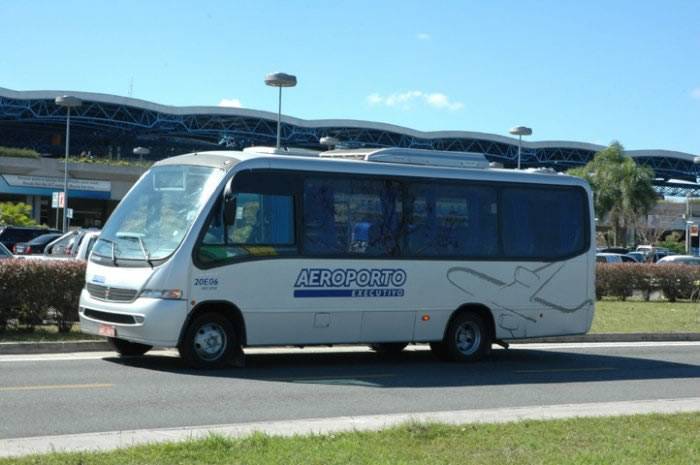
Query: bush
[(18, 153), (675, 281), (32, 289)]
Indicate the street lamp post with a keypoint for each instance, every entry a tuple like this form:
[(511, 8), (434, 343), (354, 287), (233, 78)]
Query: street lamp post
[(280, 80), (520, 131), (688, 223), (141, 151), (67, 101)]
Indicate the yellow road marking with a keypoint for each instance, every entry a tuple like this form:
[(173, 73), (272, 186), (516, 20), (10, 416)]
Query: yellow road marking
[(564, 370), (53, 387), (329, 378)]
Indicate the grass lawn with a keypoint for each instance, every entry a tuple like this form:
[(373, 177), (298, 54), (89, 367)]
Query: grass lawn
[(643, 439), (646, 317)]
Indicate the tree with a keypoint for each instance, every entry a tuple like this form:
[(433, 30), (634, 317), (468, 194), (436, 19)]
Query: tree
[(622, 190), (16, 214), (651, 227)]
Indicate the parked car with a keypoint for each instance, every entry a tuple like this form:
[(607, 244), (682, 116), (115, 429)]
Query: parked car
[(619, 250), (647, 249), (4, 253), (605, 257), (65, 245), (637, 256), (82, 252), (679, 260), (36, 245), (645, 257), (11, 235)]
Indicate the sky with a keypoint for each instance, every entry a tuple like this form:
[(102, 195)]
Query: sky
[(589, 71)]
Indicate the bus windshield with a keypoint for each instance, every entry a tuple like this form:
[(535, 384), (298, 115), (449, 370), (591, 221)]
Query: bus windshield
[(151, 221)]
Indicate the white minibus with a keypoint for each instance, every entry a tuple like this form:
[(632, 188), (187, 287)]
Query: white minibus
[(218, 251)]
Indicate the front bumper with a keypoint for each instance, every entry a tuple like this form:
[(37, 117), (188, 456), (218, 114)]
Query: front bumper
[(155, 322)]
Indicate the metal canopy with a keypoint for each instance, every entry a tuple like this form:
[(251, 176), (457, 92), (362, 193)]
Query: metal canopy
[(95, 125)]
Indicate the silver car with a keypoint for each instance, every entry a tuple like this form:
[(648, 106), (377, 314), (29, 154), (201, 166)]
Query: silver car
[(679, 260)]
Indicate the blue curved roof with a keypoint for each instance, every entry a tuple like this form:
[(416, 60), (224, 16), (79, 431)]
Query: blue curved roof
[(109, 123)]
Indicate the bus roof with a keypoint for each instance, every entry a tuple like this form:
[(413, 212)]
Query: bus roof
[(385, 161)]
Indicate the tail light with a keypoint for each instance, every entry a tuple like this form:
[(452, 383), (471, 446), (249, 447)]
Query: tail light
[(14, 249), (68, 250), (28, 249)]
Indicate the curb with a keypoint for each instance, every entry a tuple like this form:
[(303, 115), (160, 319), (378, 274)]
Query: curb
[(18, 348), (612, 337)]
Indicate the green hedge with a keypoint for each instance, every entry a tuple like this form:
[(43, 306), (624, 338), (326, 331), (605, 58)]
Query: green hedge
[(32, 291), (674, 281), (19, 153)]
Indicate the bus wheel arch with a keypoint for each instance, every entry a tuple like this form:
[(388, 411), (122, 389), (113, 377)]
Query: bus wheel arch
[(221, 325), (468, 336)]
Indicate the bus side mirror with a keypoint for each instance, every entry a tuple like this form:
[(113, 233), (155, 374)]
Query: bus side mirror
[(229, 206)]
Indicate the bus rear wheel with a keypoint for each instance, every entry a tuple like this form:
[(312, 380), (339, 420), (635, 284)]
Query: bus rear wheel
[(123, 347), (467, 338), (209, 342), (388, 347)]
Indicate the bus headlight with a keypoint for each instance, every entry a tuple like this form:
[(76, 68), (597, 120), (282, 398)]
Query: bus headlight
[(172, 294)]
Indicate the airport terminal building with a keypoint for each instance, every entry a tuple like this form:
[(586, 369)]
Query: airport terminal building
[(109, 126)]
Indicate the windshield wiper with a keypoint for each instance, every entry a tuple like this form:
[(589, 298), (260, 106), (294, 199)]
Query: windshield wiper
[(141, 243), (114, 257)]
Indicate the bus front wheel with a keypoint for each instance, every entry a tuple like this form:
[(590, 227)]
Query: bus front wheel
[(467, 338), (123, 347), (209, 342)]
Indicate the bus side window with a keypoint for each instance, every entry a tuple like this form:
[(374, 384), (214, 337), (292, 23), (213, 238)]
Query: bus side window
[(264, 226), (545, 222), (353, 216), (447, 220)]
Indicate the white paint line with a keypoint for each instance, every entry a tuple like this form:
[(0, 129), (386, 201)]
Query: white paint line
[(120, 439)]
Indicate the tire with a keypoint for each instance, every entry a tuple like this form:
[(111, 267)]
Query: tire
[(209, 342), (388, 347), (468, 338), (123, 347)]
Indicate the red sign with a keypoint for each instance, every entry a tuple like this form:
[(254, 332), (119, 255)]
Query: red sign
[(61, 200), (694, 230)]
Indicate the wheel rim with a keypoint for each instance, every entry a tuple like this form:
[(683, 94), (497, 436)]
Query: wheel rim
[(468, 338), (210, 341)]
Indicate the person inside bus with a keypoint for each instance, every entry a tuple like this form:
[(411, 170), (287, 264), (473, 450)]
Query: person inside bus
[(247, 229)]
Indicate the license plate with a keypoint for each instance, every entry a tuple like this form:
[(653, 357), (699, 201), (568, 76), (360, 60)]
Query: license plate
[(109, 331)]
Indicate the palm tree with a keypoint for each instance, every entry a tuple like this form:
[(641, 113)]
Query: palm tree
[(622, 190)]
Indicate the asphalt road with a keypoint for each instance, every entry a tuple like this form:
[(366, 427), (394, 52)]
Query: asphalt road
[(80, 393)]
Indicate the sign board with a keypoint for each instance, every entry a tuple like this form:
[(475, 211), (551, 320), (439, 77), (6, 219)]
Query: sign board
[(57, 183), (61, 200), (54, 200), (693, 230), (69, 213)]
